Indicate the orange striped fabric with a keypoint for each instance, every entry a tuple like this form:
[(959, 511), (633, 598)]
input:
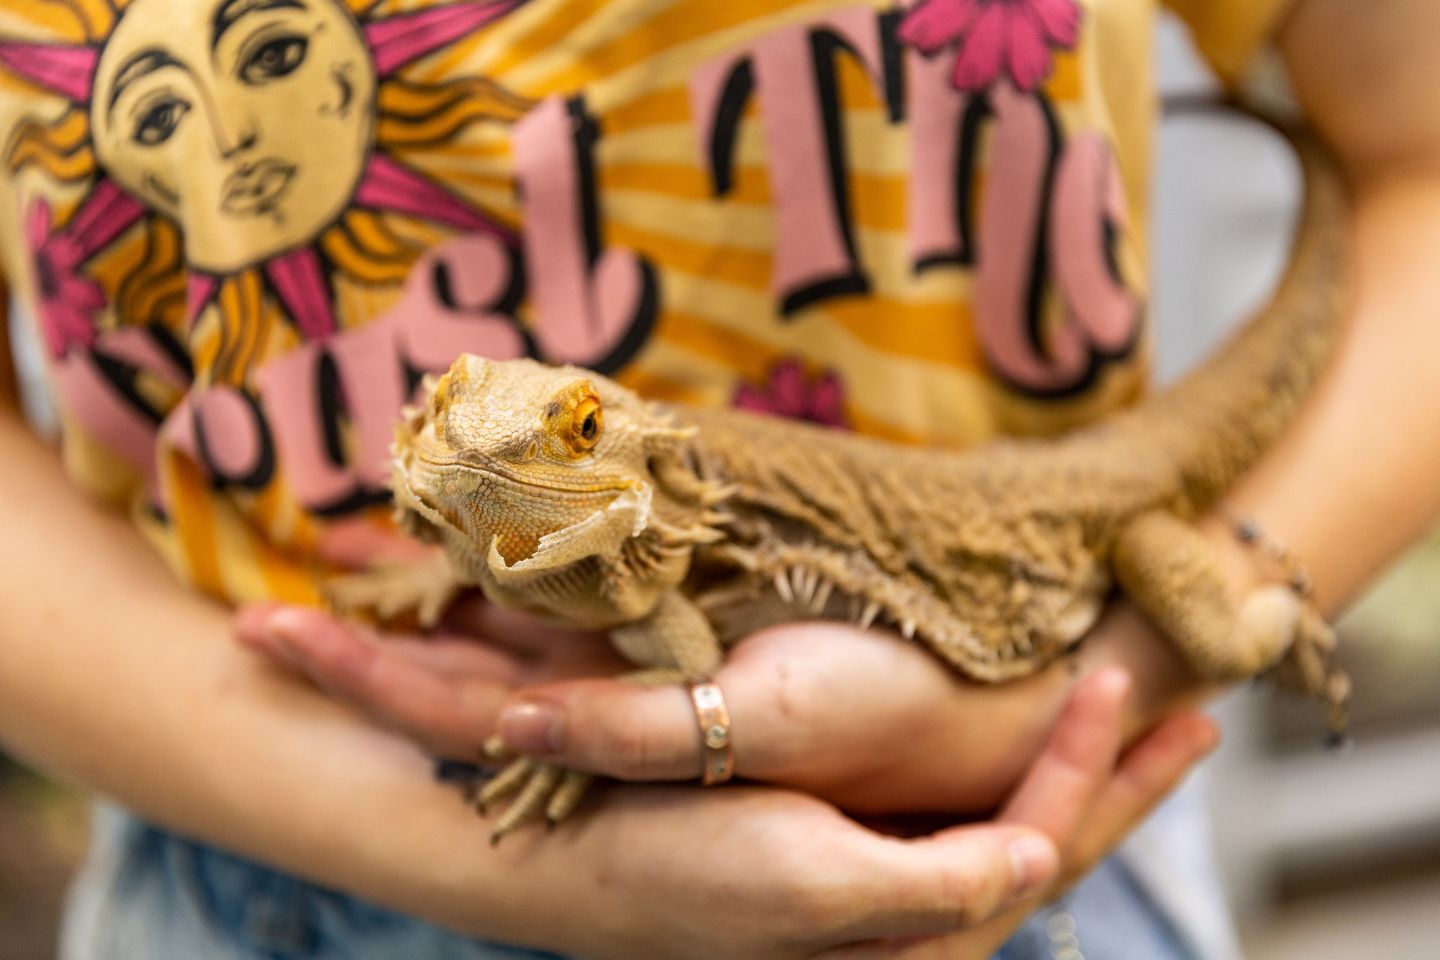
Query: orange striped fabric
[(246, 230)]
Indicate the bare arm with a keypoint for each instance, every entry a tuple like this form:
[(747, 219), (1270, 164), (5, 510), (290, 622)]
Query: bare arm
[(1353, 482)]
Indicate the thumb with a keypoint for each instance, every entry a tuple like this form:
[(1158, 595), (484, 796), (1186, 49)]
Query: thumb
[(608, 727), (954, 880)]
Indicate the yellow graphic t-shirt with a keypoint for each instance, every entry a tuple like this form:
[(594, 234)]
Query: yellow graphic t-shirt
[(246, 228)]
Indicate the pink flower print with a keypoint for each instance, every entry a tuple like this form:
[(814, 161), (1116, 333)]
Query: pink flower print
[(995, 37), (68, 300), (790, 392)]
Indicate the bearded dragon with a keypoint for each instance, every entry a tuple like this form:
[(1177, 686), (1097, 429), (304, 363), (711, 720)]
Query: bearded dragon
[(557, 491)]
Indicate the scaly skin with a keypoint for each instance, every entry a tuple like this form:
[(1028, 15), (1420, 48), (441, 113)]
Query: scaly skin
[(557, 491)]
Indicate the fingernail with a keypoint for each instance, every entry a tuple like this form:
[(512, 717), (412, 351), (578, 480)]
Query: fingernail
[(533, 728), (283, 634), (284, 625), (1115, 682), (1034, 863)]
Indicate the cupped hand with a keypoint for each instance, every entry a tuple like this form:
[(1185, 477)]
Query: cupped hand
[(752, 872), (759, 872), (861, 718)]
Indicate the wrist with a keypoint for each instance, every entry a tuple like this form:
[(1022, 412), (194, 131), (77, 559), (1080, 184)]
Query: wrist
[(1164, 682), (1236, 558)]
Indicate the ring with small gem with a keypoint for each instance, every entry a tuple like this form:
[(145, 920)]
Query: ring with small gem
[(713, 716)]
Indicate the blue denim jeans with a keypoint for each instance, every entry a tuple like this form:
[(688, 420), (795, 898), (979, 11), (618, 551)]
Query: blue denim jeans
[(147, 894)]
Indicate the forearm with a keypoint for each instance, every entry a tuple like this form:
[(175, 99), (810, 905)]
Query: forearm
[(113, 674), (1353, 482)]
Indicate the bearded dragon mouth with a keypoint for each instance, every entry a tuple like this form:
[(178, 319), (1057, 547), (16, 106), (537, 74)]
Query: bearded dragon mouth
[(580, 487), (422, 499)]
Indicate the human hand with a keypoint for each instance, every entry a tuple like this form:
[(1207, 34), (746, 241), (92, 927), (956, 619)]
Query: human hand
[(790, 707), (862, 725), (748, 872), (442, 689)]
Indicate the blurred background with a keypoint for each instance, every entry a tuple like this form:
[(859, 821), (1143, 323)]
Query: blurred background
[(1326, 854)]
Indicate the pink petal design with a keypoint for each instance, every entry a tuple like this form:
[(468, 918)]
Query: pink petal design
[(937, 22), (788, 388), (982, 54), (300, 281), (1060, 20), (60, 327), (791, 393), (750, 397), (68, 300), (68, 71), (67, 316), (827, 400), (82, 291), (387, 185), (404, 38), (995, 37), (1028, 54)]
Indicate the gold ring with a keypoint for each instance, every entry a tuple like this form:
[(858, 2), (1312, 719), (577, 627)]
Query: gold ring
[(714, 718)]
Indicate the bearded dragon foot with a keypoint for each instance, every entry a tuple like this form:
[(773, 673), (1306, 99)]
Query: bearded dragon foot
[(1309, 667), (540, 787), (1171, 573), (425, 588), (536, 788)]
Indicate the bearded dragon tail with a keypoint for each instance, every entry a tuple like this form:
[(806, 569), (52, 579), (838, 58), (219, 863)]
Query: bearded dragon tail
[(1220, 419)]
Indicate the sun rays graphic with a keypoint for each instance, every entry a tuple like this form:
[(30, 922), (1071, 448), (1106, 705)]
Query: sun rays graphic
[(260, 142)]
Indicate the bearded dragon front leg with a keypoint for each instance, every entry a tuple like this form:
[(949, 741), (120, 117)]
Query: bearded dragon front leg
[(1172, 574), (424, 587), (675, 643)]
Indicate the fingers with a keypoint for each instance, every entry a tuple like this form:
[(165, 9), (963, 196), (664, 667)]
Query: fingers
[(453, 657), (954, 880), (522, 632), (546, 652), (1148, 773), (981, 872), (1075, 764), (450, 716), (608, 727), (789, 724), (965, 876)]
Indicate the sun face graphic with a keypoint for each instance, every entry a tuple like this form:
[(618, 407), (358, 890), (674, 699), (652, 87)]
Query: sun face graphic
[(248, 130)]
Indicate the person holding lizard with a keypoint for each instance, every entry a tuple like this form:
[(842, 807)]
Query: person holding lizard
[(229, 336)]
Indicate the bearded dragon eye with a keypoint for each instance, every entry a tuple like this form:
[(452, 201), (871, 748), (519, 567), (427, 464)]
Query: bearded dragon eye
[(586, 423)]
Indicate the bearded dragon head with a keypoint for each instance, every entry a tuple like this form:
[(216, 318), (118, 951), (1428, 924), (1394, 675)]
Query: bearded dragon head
[(536, 467)]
